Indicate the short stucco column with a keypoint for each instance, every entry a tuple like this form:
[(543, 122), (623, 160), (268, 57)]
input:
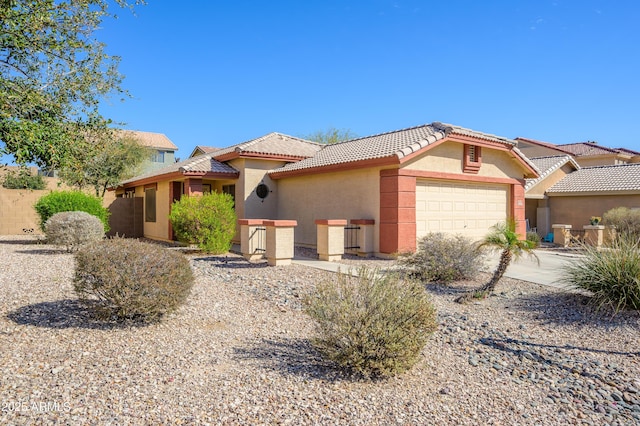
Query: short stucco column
[(561, 234), (252, 238), (280, 241), (594, 235), (365, 236), (330, 233)]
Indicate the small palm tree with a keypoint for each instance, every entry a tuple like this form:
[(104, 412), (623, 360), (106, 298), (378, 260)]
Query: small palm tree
[(502, 237)]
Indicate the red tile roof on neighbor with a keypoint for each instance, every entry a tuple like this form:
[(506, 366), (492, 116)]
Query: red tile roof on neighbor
[(398, 144), (271, 145), (541, 143), (618, 178), (582, 149), (548, 165), (152, 140)]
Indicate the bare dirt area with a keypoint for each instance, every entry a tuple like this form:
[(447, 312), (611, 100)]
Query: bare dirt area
[(238, 353)]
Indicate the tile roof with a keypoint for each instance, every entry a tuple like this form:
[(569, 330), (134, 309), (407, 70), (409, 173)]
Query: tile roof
[(627, 151), (398, 143), (622, 177), (200, 164), (581, 149), (541, 143), (277, 144), (548, 165), (152, 140)]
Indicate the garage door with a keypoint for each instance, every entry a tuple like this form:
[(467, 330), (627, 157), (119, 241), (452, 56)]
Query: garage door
[(459, 208)]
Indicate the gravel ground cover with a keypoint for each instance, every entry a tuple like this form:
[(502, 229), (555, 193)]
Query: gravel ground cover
[(238, 353)]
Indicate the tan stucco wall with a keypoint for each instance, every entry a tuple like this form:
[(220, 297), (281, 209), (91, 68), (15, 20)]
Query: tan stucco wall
[(341, 195), (549, 181), (448, 158), (577, 211), (599, 160), (252, 173), (160, 228)]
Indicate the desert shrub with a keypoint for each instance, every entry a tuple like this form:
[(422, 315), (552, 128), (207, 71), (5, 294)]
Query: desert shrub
[(612, 275), (372, 325), (129, 279), (72, 229), (443, 258), (534, 238), (69, 201), (208, 221), (625, 221), (22, 179)]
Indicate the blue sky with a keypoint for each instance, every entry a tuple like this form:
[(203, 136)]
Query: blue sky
[(217, 73)]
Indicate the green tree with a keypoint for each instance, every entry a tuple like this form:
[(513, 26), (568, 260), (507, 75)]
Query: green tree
[(330, 136), (503, 237), (53, 74), (102, 161)]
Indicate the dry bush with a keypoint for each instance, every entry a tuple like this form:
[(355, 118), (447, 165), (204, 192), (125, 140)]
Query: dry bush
[(129, 279), (72, 229), (372, 325)]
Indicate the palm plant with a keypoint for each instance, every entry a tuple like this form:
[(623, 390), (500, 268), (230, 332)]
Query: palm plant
[(505, 238)]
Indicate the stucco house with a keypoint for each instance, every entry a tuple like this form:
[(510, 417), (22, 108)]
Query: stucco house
[(578, 181), (434, 177), (162, 150)]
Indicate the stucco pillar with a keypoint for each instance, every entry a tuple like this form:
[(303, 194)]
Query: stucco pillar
[(330, 234), (397, 212), (280, 238), (193, 187), (252, 238), (561, 234), (518, 208), (365, 236), (594, 235)]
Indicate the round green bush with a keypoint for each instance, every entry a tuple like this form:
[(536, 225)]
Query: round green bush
[(611, 275), (131, 280), (72, 229), (69, 201), (208, 221), (373, 325), (443, 258)]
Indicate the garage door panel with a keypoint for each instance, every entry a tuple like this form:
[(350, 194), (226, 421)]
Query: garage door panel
[(459, 208)]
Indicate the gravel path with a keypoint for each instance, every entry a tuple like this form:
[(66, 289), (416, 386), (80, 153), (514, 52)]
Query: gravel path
[(238, 353)]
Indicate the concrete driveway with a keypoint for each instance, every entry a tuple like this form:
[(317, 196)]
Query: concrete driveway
[(547, 272)]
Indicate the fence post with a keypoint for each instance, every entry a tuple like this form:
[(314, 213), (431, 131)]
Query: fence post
[(250, 246), (594, 235), (280, 239), (561, 234), (330, 238), (365, 236)]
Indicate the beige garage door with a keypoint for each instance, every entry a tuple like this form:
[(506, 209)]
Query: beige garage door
[(459, 208)]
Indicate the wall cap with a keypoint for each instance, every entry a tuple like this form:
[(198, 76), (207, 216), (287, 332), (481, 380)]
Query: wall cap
[(251, 222), (280, 223), (331, 222)]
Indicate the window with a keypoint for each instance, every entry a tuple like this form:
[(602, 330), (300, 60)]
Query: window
[(157, 157), (231, 190), (472, 159), (150, 204)]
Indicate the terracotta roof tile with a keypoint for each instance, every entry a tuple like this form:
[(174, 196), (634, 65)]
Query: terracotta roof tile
[(202, 163), (623, 177), (152, 140), (398, 143), (548, 165), (581, 149), (274, 144)]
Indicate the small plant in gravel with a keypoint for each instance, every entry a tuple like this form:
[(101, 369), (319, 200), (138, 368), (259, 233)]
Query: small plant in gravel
[(130, 280), (72, 229), (372, 325), (208, 221), (69, 201), (612, 274), (443, 258), (534, 239)]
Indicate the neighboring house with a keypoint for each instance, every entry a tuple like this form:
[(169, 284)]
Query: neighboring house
[(199, 150), (586, 154), (573, 184), (435, 177), (161, 147)]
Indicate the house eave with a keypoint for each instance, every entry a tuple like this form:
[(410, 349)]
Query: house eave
[(391, 160)]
